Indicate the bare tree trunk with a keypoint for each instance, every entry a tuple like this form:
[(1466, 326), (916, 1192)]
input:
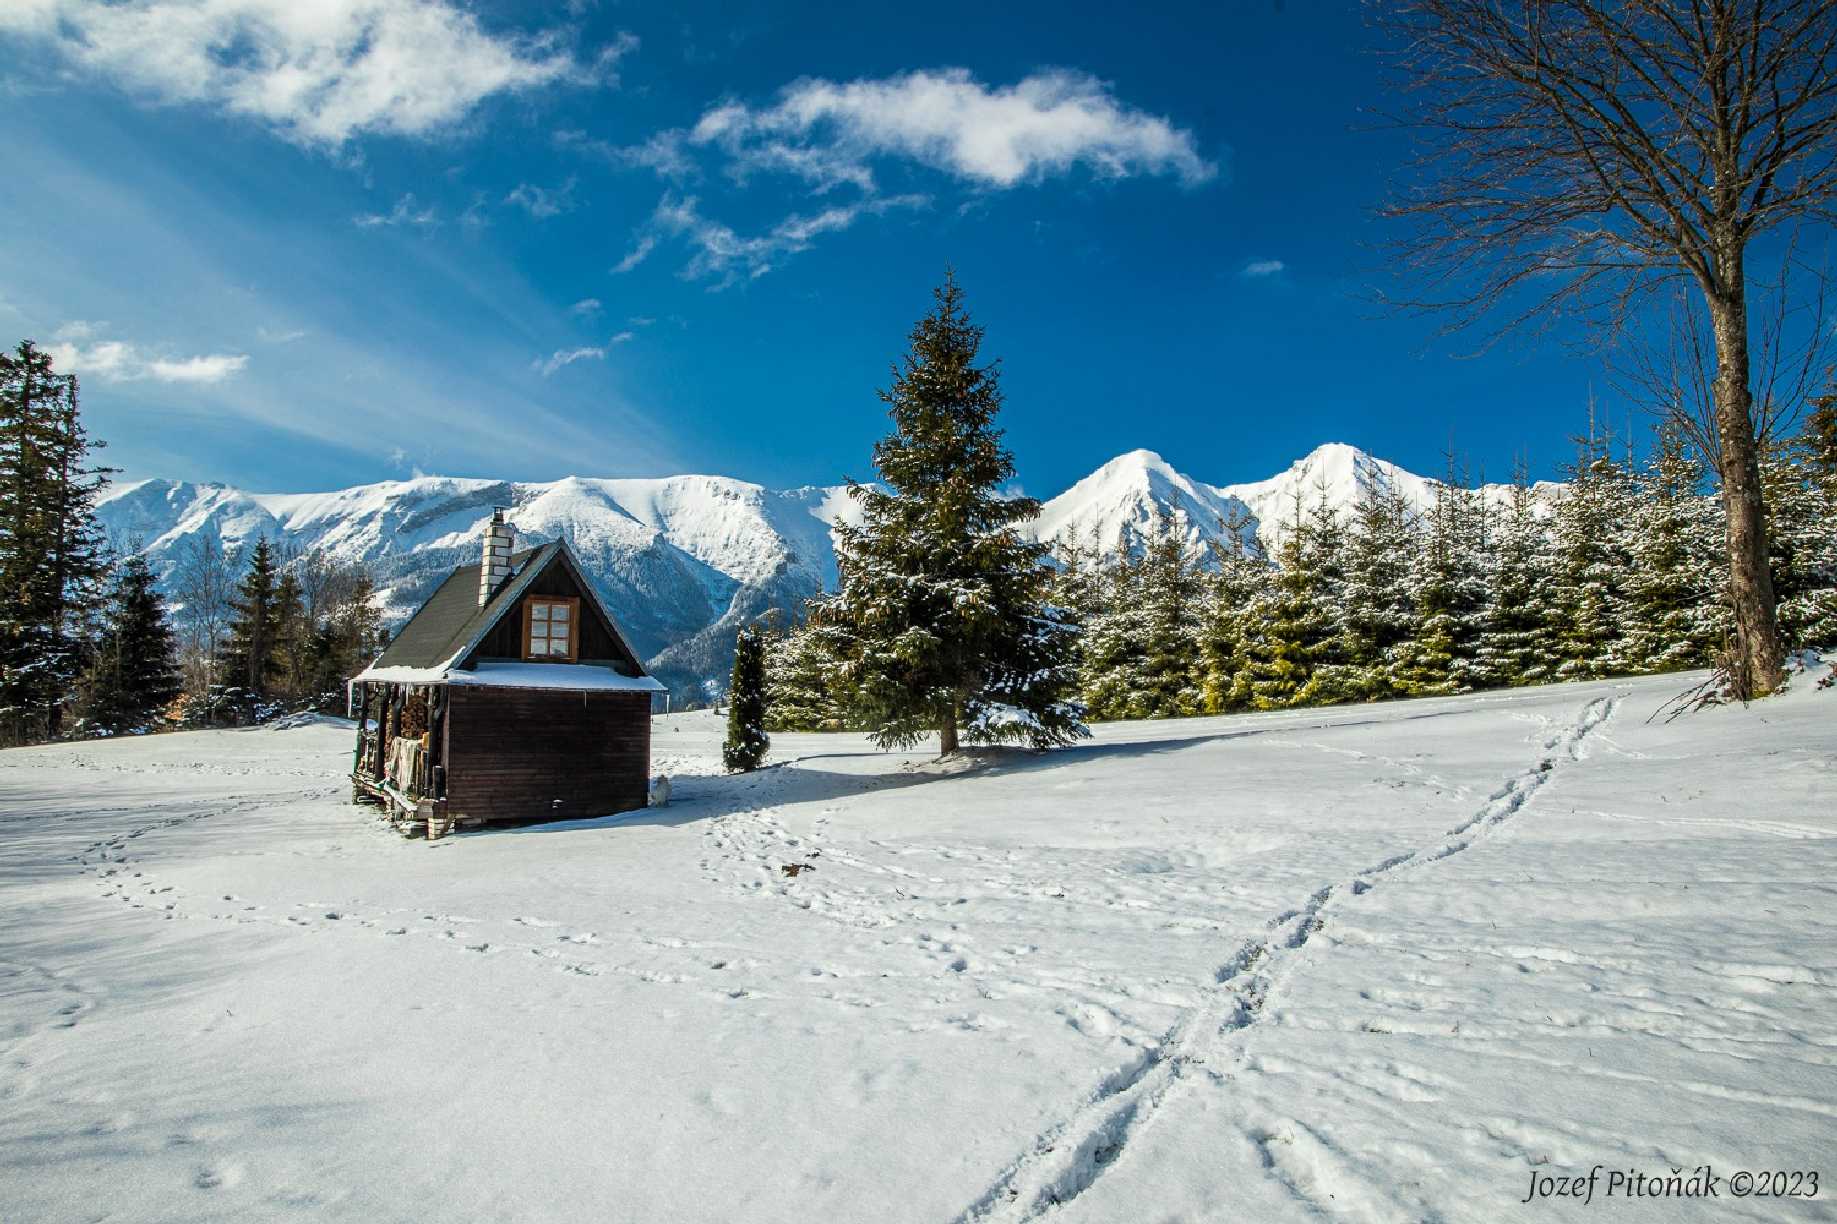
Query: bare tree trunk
[(947, 732), (1751, 596)]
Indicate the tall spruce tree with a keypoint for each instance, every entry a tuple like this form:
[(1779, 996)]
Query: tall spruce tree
[(1450, 592), (136, 672), (747, 740), (945, 601), (1170, 603), (1379, 614), (1802, 533), (1675, 612), (52, 566), (255, 624), (1240, 572), (1290, 625), (1590, 563), (1517, 641)]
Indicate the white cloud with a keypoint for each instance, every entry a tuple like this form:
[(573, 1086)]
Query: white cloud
[(269, 335), (1257, 269), (547, 366), (542, 203), (75, 349), (405, 212), (1046, 124), (212, 369), (725, 256), (586, 306), (644, 246), (320, 73)]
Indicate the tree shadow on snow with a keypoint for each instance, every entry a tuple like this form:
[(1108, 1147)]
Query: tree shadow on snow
[(801, 779)]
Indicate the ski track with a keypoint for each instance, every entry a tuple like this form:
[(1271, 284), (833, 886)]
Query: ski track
[(1070, 1156)]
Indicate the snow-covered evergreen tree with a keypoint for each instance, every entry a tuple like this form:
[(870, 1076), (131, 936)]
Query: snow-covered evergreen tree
[(1517, 639), (255, 624), (1590, 563), (1800, 487), (136, 672), (1449, 586), (1240, 572), (52, 567), (1291, 625), (1675, 613), (747, 741), (1378, 611), (945, 601), (801, 683), (1170, 604)]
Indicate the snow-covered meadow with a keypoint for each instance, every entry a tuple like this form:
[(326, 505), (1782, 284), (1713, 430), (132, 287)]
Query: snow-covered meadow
[(1371, 963)]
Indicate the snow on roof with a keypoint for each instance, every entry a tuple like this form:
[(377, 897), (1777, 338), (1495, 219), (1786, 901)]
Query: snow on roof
[(568, 676), (554, 676)]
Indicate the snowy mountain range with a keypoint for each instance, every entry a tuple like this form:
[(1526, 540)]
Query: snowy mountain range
[(686, 560)]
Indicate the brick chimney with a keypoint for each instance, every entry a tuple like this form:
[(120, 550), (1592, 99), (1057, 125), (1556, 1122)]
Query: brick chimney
[(500, 540)]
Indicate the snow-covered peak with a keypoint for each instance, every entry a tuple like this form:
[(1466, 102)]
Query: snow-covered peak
[(1114, 508)]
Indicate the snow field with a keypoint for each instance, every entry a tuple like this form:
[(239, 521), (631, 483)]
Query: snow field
[(1369, 963)]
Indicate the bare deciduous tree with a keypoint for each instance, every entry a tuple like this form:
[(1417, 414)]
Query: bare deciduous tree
[(1581, 153), (203, 584)]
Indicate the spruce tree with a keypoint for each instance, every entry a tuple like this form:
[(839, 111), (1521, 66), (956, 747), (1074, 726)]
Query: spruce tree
[(1113, 654), (747, 740), (52, 567), (800, 679), (945, 601), (136, 673), (255, 625), (1801, 503), (1290, 625), (1450, 594), (1674, 585), (1379, 613), (1517, 642), (1240, 573), (1170, 604), (1590, 560)]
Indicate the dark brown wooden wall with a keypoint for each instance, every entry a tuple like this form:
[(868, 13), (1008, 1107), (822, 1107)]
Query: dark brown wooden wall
[(596, 641), (514, 752)]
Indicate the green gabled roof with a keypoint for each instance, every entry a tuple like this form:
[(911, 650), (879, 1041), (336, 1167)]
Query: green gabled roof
[(451, 618)]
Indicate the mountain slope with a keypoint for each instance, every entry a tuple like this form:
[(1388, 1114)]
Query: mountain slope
[(685, 561)]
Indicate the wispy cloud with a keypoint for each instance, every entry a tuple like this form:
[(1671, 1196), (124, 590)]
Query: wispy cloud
[(725, 256), (319, 74), (834, 137), (269, 335), (77, 349), (640, 251), (1046, 124), (664, 154), (546, 366), (586, 306), (542, 203), (1258, 269), (405, 212)]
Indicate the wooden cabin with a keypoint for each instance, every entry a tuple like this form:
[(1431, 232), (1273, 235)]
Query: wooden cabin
[(511, 695)]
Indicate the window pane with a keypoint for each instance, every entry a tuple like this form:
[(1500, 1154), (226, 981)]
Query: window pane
[(538, 647), (560, 639), (539, 611), (560, 613)]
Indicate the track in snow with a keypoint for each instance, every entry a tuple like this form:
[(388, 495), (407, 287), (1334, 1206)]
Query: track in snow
[(1068, 1158)]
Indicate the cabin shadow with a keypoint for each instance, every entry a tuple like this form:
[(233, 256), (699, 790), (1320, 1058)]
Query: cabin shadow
[(802, 779)]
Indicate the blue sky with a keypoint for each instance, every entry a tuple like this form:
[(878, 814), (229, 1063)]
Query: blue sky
[(297, 247)]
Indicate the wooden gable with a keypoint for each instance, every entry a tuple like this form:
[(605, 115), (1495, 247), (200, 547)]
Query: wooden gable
[(598, 641)]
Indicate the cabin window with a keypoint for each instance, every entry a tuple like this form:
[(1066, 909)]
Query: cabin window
[(551, 628)]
